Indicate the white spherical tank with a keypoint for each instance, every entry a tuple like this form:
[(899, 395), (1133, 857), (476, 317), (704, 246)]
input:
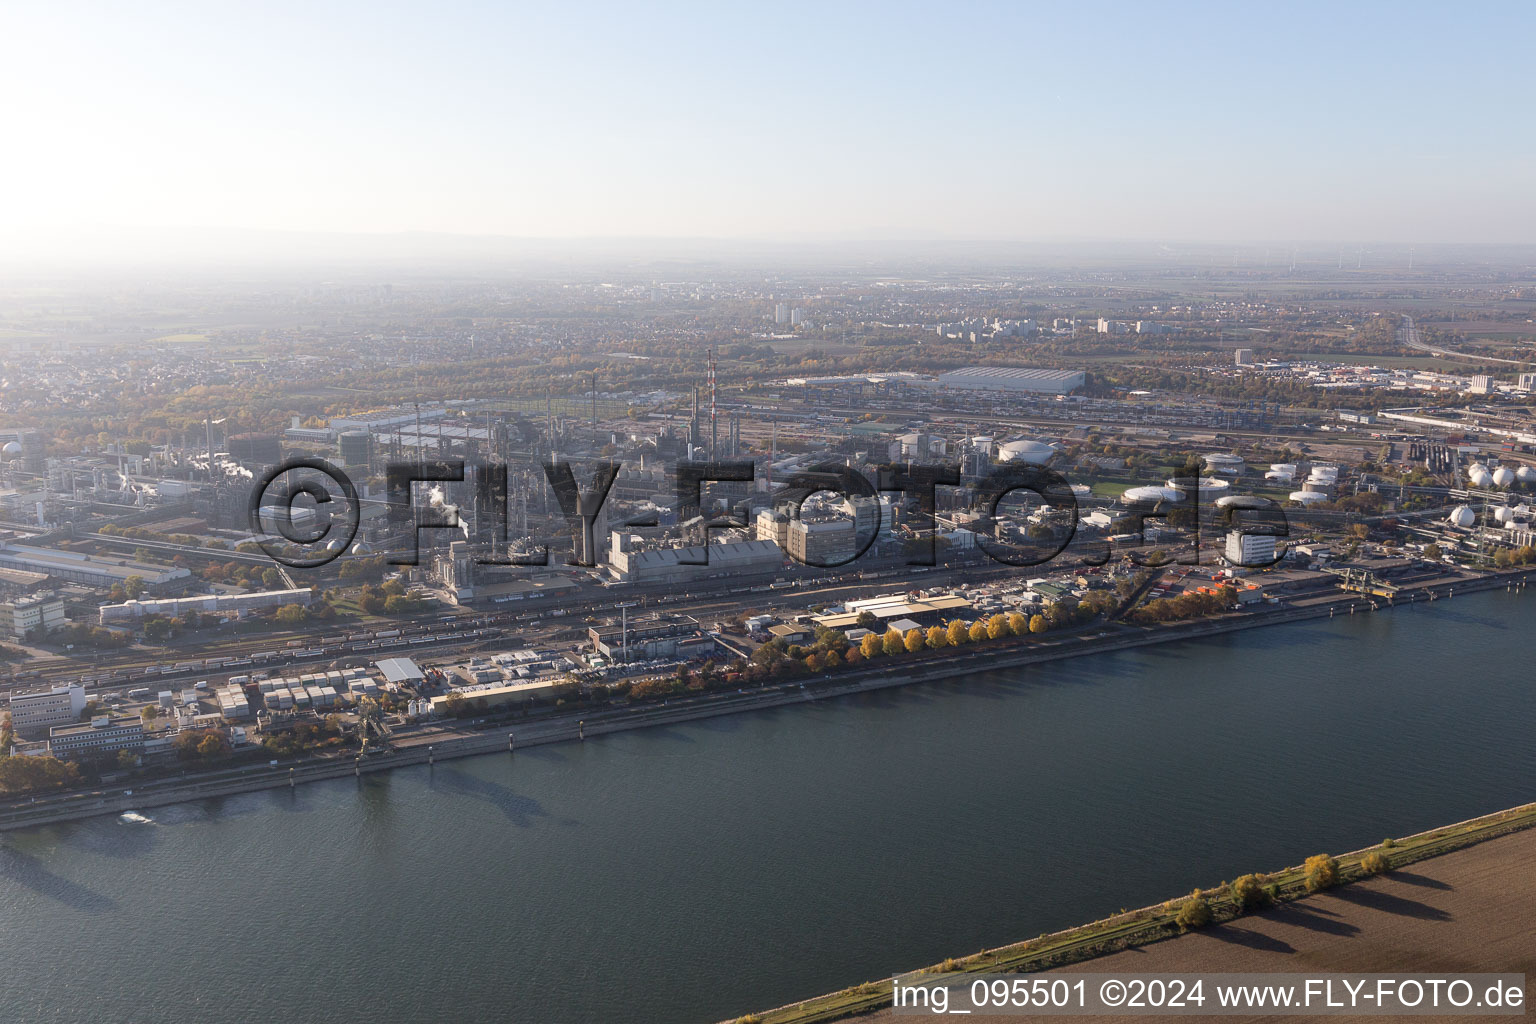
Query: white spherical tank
[(1462, 516), (1479, 476), (12, 448), (1503, 514), (1308, 497), (1503, 476)]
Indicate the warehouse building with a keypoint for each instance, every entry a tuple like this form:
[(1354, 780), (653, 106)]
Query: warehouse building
[(93, 570), (213, 603), (1011, 378)]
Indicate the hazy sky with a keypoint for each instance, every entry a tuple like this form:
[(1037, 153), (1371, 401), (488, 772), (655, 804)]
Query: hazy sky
[(1394, 121)]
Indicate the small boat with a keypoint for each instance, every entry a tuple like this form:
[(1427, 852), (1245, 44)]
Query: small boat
[(135, 818)]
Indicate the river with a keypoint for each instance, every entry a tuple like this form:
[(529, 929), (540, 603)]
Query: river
[(698, 871)]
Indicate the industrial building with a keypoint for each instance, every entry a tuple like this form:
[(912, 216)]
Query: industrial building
[(671, 565), (1012, 378), (1252, 550), (212, 603), (648, 639), (93, 570), (34, 713), (495, 696), (355, 447), (929, 611), (99, 737), (22, 618), (255, 451)]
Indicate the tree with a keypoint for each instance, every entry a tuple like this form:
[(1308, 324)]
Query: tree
[(977, 632), (32, 774), (867, 620), (1037, 624), (1322, 872), (371, 599), (127, 759), (1433, 552), (149, 714), (400, 604), (937, 637), (814, 662), (133, 586), (272, 579), (893, 642), (291, 615), (997, 627), (1248, 892), (1194, 912), (1375, 863), (870, 646), (1018, 625), (914, 640), (958, 632)]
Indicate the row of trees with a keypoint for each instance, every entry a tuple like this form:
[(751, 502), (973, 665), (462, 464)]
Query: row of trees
[(1248, 893), (1189, 605)]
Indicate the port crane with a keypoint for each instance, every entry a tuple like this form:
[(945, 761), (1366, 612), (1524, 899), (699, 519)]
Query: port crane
[(1363, 581)]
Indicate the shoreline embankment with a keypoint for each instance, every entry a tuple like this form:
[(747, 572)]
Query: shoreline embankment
[(580, 725)]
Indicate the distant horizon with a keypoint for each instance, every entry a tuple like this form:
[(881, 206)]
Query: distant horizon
[(214, 248)]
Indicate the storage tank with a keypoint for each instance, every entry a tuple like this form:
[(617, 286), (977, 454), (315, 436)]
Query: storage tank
[(1479, 476), (1243, 501), (1503, 476), (1150, 494), (1308, 497), (1526, 475), (1209, 486), (1224, 462), (1463, 516), (1503, 514), (1035, 453)]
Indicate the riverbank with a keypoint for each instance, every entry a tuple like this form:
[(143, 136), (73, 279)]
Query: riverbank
[(431, 747), (1103, 942)]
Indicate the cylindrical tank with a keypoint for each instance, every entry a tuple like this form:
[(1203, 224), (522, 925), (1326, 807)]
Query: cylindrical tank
[(1153, 494), (1033, 452), (1224, 462), (1308, 497)]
